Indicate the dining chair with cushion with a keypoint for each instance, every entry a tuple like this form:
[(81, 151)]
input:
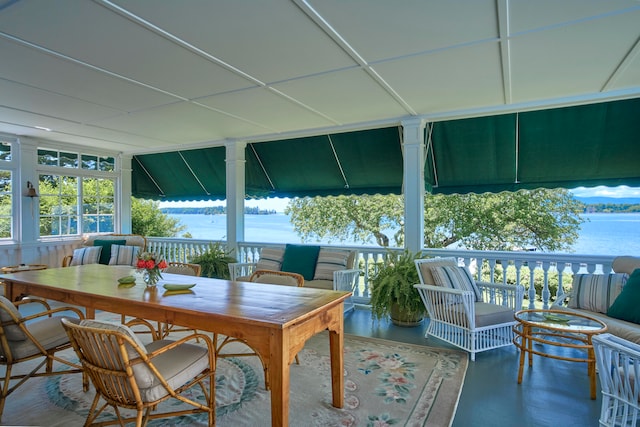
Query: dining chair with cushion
[(129, 374), (281, 278), (34, 336)]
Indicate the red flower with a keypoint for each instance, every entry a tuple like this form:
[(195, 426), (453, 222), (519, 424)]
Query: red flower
[(149, 264), (162, 264), (140, 263)]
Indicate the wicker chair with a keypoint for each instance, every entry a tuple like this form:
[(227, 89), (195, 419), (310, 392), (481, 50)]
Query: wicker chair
[(260, 276), (618, 362), (128, 374), (24, 338), (473, 320)]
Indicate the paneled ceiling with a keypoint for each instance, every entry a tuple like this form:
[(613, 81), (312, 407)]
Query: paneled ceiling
[(142, 76)]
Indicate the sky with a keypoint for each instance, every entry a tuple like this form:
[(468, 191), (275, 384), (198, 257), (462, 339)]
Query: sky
[(278, 204)]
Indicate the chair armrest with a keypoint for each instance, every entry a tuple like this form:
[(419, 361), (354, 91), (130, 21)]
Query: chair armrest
[(562, 301), (241, 269), (48, 313), (497, 293), (345, 280), (31, 300), (453, 306), (66, 261)]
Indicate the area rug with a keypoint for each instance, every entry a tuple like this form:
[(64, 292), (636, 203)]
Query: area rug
[(386, 383)]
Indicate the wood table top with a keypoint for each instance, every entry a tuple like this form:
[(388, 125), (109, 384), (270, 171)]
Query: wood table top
[(242, 302)]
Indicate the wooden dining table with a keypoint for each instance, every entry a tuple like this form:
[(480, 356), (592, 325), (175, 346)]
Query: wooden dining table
[(275, 320)]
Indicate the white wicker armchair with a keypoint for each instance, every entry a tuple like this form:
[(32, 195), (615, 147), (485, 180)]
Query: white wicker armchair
[(618, 362), (459, 318)]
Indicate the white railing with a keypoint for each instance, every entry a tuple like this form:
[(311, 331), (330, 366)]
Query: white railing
[(550, 273)]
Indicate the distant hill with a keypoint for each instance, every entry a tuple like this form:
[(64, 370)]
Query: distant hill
[(609, 200)]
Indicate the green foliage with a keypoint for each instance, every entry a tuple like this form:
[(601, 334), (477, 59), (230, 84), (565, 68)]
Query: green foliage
[(148, 220), (547, 220), (215, 261), (393, 283)]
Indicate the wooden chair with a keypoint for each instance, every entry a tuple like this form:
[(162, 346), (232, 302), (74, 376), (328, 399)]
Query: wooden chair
[(261, 276), (164, 329), (128, 374), (40, 335)]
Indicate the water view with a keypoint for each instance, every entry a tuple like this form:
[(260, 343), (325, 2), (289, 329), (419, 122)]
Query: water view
[(601, 233)]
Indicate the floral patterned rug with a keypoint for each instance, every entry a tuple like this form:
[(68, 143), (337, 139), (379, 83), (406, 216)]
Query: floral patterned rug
[(386, 383)]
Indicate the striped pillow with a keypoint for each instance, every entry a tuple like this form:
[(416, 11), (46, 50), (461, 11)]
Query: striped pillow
[(596, 292), (88, 255), (455, 278), (328, 262), (124, 255), (270, 259)]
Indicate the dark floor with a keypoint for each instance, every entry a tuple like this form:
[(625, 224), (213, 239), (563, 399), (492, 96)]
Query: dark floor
[(552, 393)]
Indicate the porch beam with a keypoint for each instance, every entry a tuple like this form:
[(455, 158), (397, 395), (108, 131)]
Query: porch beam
[(413, 150)]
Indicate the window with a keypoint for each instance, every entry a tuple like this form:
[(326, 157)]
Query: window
[(82, 201), (6, 196)]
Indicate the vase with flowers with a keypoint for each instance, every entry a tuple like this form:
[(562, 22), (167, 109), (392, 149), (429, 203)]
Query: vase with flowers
[(151, 265)]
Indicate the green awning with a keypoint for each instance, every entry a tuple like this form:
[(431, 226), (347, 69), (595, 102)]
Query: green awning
[(589, 145), (597, 144)]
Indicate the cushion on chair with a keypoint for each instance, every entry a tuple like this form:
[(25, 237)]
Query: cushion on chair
[(177, 366), (596, 292), (88, 255), (105, 253), (455, 277), (276, 279), (185, 270), (13, 332), (330, 261), (124, 255), (270, 259), (300, 259), (425, 264), (626, 305), (49, 332)]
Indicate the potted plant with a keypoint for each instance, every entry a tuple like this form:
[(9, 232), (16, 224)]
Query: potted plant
[(392, 291), (214, 261)]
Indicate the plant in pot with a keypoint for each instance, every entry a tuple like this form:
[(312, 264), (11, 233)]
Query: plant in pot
[(214, 261), (392, 291)]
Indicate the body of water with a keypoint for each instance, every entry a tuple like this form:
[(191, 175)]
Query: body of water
[(600, 234)]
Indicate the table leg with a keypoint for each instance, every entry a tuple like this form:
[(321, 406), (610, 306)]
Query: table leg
[(336, 347), (529, 345), (523, 347), (591, 368), (279, 379)]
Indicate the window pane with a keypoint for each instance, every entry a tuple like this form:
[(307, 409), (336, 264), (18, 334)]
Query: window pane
[(5, 213), (69, 160), (5, 182), (5, 151), (47, 157), (89, 162), (107, 164)]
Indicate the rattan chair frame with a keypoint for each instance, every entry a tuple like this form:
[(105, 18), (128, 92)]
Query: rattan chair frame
[(222, 341), (106, 360), (49, 356)]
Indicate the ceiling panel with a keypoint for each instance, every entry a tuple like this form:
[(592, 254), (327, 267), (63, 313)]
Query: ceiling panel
[(133, 75)]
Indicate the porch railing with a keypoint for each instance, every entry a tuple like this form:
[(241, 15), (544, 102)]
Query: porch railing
[(545, 276)]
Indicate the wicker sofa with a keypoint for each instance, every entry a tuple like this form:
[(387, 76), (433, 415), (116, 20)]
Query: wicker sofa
[(333, 268), (593, 295), (89, 240)]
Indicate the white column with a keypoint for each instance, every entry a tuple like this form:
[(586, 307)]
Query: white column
[(235, 164), (123, 195), (29, 223), (413, 183)]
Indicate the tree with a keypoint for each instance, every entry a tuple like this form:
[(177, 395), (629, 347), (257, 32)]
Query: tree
[(547, 220), (148, 220)]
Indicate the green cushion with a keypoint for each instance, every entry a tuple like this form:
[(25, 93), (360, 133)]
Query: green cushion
[(105, 255), (625, 307), (300, 259)]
